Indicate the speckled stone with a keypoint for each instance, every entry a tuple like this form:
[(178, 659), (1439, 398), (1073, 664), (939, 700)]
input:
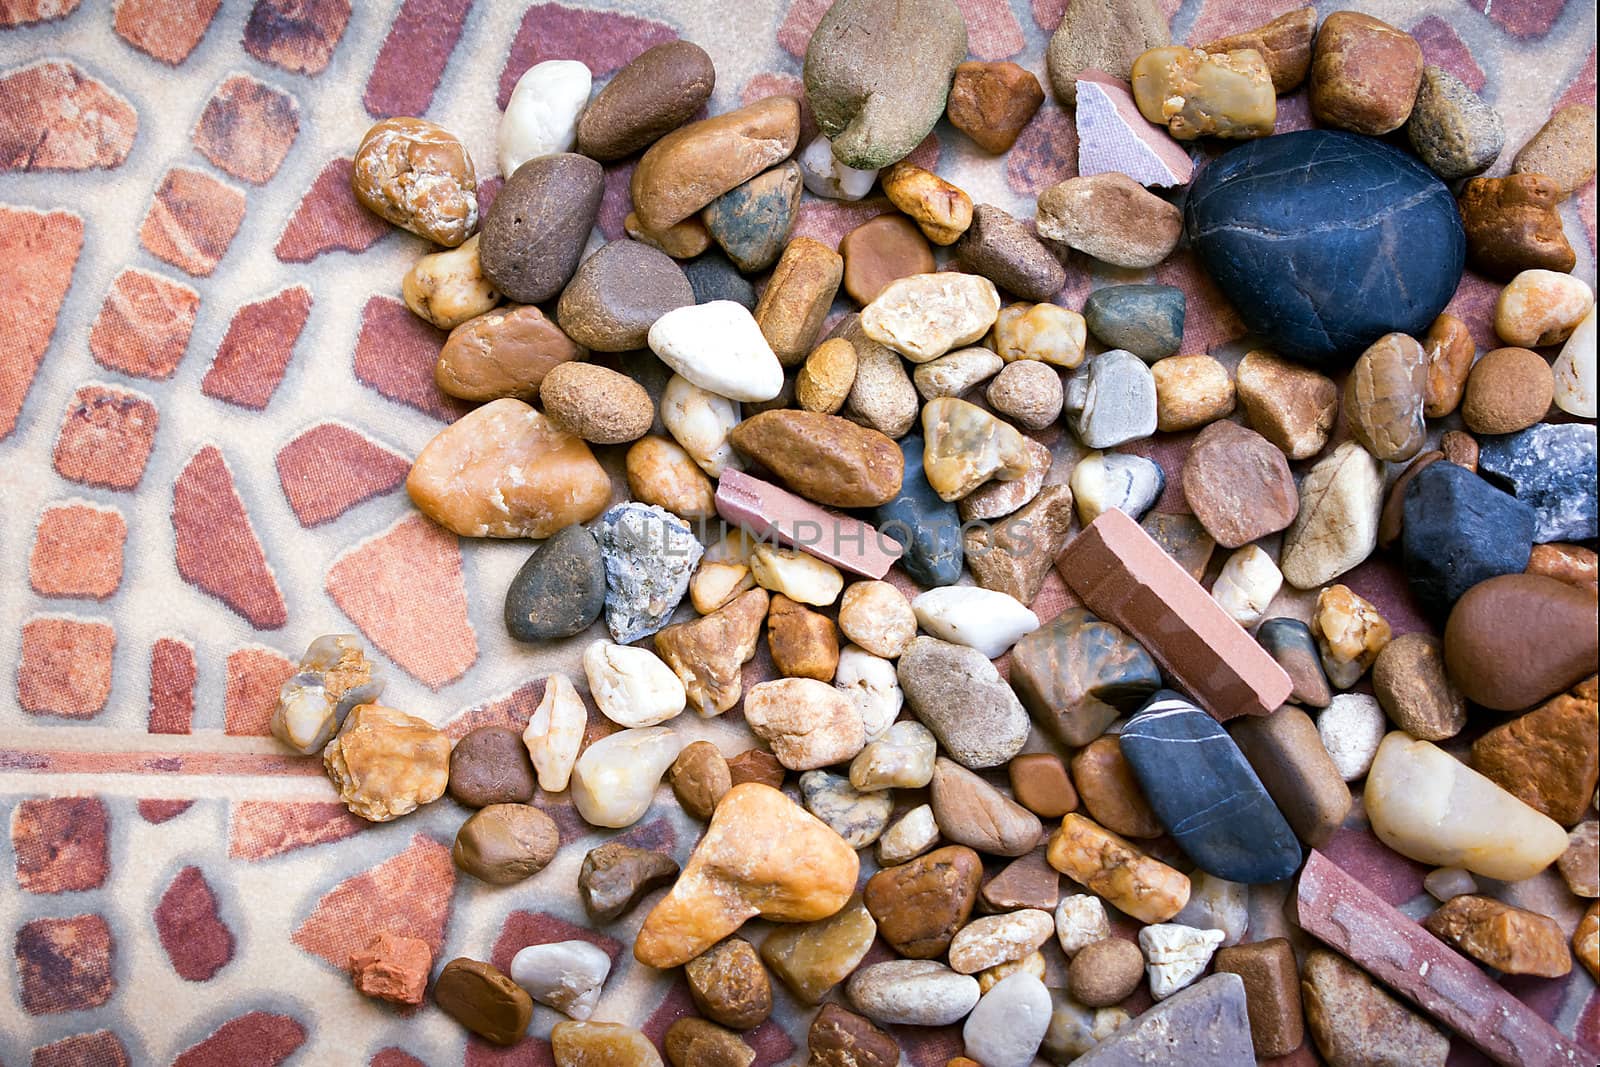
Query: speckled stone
[(560, 590), (1552, 470), (1006, 252), (649, 556), (1451, 128), (1146, 320)]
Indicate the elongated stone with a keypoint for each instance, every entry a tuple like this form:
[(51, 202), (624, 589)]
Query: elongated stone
[(773, 513), (1287, 754), (1106, 865), (958, 694), (695, 164), (1206, 794), (823, 457), (1080, 672), (1336, 527)]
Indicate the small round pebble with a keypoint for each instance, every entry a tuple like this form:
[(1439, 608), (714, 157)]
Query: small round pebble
[(729, 985), (660, 472), (490, 765), (1191, 391), (1541, 307), (1105, 973), (1027, 392), (617, 293), (1351, 727), (505, 843), (878, 617), (1508, 390), (598, 404), (699, 777)]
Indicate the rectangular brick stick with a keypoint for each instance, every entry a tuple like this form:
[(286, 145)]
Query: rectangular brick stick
[(772, 512), (1353, 920), (1122, 575)]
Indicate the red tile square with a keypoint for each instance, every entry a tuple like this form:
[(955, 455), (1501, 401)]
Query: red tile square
[(77, 551), (167, 30), (106, 438), (65, 667), (144, 325), (64, 964), (60, 844), (247, 128), (192, 220)]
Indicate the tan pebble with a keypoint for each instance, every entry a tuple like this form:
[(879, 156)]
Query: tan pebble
[(660, 472), (823, 384), (694, 164), (596, 403), (964, 446), (808, 724), (1586, 940), (996, 939), (1284, 43), (1109, 791), (583, 1044), (682, 240), (502, 353), (1511, 940), (1509, 389), (813, 958), (1191, 391), (417, 175), (1383, 398), (1541, 307), (1563, 149), (878, 617), (699, 778), (797, 298), (729, 985), (386, 764), (715, 584), (882, 396), (1105, 972), (1448, 349), (1196, 93), (1028, 393), (796, 575), (1110, 217), (448, 288), (693, 1042), (1459, 448), (1144, 888), (941, 210), (708, 654), (1292, 406), (926, 315), (1049, 333), (880, 251)]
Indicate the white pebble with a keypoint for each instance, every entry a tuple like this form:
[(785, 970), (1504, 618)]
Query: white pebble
[(719, 347), (615, 779), (902, 759), (567, 975), (796, 575), (700, 421), (872, 683), (632, 686), (985, 619), (1176, 955), (1447, 883), (826, 177), (541, 118), (555, 733), (1009, 1023), (1217, 904), (1352, 727), (1081, 921), (912, 993), (1247, 584), (1574, 369), (915, 833)]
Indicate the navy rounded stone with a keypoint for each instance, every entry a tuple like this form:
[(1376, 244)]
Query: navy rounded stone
[(1146, 320), (1551, 468), (1206, 794), (1324, 241), (560, 590), (929, 528), (713, 277), (1459, 530)]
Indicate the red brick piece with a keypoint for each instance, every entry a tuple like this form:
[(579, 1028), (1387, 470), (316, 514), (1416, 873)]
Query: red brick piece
[(392, 968), (167, 30), (395, 354), (65, 667), (247, 128), (77, 551), (256, 350), (192, 220), (766, 509), (172, 677), (331, 468), (297, 35), (217, 549), (413, 57), (60, 844), (64, 964), (192, 934), (254, 677), (37, 253), (106, 437), (329, 219), (27, 12), (99, 1049), (144, 325), (53, 116), (259, 1038), (1122, 575)]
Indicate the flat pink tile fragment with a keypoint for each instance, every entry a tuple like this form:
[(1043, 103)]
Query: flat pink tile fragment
[(54, 116), (38, 250), (255, 352), (767, 510), (1114, 137), (167, 30), (413, 57), (217, 549)]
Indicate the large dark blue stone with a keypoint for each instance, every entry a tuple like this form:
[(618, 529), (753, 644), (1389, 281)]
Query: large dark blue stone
[(929, 528), (1206, 794), (1459, 530), (1552, 470), (1324, 241)]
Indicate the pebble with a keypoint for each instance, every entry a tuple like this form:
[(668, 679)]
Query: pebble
[(1580, 863), (719, 347), (502, 844), (490, 765), (1448, 352), (866, 94), (393, 968), (1351, 727), (1364, 74), (1285, 44), (1451, 127), (960, 696), (615, 877), (385, 763), (1217, 904), (1586, 940), (448, 288), (694, 164), (615, 778), (1572, 564), (1353, 1021), (1430, 807), (996, 939), (1207, 1023), (1191, 391), (482, 999), (649, 554), (1563, 149), (504, 352), (941, 211), (1552, 470), (1238, 484), (1196, 92), (814, 957), (751, 221), (1040, 783), (1016, 556), (803, 643), (878, 617), (992, 102), (996, 500), (713, 277), (1080, 922), (1111, 400), (857, 816), (1027, 392), (1509, 389), (1009, 1022), (1336, 528), (655, 93), (1409, 681), (1182, 538), (1460, 530), (1275, 212), (870, 682), (1026, 882), (901, 759), (882, 396), (682, 240), (597, 404), (661, 473), (555, 731), (1247, 584), (1574, 371), (972, 812), (729, 986), (824, 382), (1146, 320), (1288, 755), (1549, 758), (1105, 972), (1272, 993), (919, 905), (1460, 448), (796, 575), (910, 836), (700, 421), (1509, 939), (915, 992), (707, 655), (1350, 633), (1110, 217), (823, 457), (578, 1044), (534, 233), (617, 293), (807, 723), (797, 297), (1006, 252), (1049, 333), (699, 778), (964, 446), (1506, 668), (1541, 307), (1176, 955), (505, 470), (1102, 37), (566, 975), (1205, 793), (417, 175), (841, 1038), (334, 676), (541, 117), (1077, 673), (1113, 136), (1513, 225), (1447, 882), (1293, 407), (693, 1042), (1101, 481), (882, 250), (830, 179), (984, 619), (1075, 1029), (1383, 398), (926, 315)]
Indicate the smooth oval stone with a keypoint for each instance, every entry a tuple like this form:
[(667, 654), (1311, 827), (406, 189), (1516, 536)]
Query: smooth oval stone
[(534, 232), (1111, 400), (1517, 639), (957, 693), (1552, 470), (926, 525), (713, 277), (656, 93), (1458, 531), (1325, 241), (1146, 320), (1079, 673), (618, 293), (752, 221), (1105, 480), (1290, 643), (1206, 794), (1006, 252), (695, 164)]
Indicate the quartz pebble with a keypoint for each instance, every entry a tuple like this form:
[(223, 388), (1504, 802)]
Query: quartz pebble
[(1383, 398), (1336, 528), (1078, 673), (1572, 564), (901, 759), (964, 446), (996, 939), (1298, 770), (1451, 127), (1146, 320), (385, 763), (957, 693), (1563, 149), (579, 1044), (392, 968), (1552, 647), (1080, 921), (566, 975), (541, 117), (1006, 252), (615, 877), (972, 812), (1176, 955), (1351, 728), (870, 681), (858, 817), (910, 836), (1513, 224), (719, 347), (807, 723), (1048, 333), (448, 288), (503, 352), (1197, 92), (992, 102), (1246, 585), (1550, 757), (1110, 217), (334, 676), (417, 175), (490, 765), (751, 221), (729, 986), (841, 1038), (555, 731), (1574, 371), (796, 575), (694, 164), (942, 211), (814, 957), (1364, 74), (826, 177), (1551, 469), (1100, 861), (913, 993), (482, 999), (1028, 393), (1350, 633), (649, 554), (1511, 940), (707, 655), (615, 778), (1541, 307), (878, 617), (926, 315), (1352, 1020), (1586, 940), (1111, 400), (1103, 480), (1109, 790), (1009, 1022), (655, 93), (1293, 407), (1444, 883), (1190, 391), (700, 421), (996, 500), (1074, 1028), (1238, 484), (535, 231)]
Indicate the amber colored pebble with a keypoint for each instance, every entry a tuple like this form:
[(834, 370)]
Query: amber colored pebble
[(1508, 390), (1572, 564), (1040, 783), (1110, 792), (1448, 349), (992, 102)]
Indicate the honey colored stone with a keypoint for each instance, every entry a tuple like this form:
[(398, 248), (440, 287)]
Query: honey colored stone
[(1512, 225), (878, 617), (1586, 940), (699, 778), (797, 298), (682, 240), (417, 175), (694, 164), (1049, 333), (803, 642), (942, 211), (505, 470), (1508, 390), (386, 764), (1574, 565), (1238, 484), (1353, 1021), (502, 353), (880, 251), (823, 457), (1563, 149), (814, 957), (992, 102), (660, 472), (707, 654), (1195, 93), (920, 904), (1508, 668), (761, 855), (1364, 74), (1383, 398), (1284, 44), (715, 584), (1549, 758), (478, 996), (1040, 783), (584, 1044), (972, 812), (1190, 391), (729, 985), (1447, 352), (926, 315), (1541, 307), (1109, 791), (1511, 940), (448, 288), (1350, 633), (692, 1042), (1109, 867), (823, 384), (1271, 992), (1292, 406), (964, 446)]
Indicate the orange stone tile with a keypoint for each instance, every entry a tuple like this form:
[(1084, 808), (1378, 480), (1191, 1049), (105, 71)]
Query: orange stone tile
[(65, 667), (77, 551)]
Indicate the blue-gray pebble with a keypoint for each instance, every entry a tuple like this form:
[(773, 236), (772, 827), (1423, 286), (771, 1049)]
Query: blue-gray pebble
[(560, 590), (1458, 531), (751, 222), (928, 527), (1146, 320), (713, 277), (1552, 470)]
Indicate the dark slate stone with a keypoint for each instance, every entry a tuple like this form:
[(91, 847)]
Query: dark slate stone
[(1147, 320), (1206, 794), (928, 528), (1078, 673), (751, 222), (713, 277), (1459, 530), (1289, 642), (560, 590), (1324, 241), (1552, 470)]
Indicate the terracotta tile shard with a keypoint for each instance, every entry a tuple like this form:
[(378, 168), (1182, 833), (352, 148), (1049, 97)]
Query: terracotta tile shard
[(329, 219), (396, 353), (192, 221), (156, 812), (771, 512), (40, 250), (172, 678), (167, 30), (27, 12), (247, 128), (261, 829), (413, 57), (1342, 912), (601, 39), (53, 116), (65, 964), (60, 844), (106, 437), (217, 548), (196, 940), (256, 350), (331, 468), (389, 584), (258, 1038), (1114, 136), (144, 325), (297, 35), (65, 667), (1121, 574), (254, 676), (407, 895), (102, 1048), (77, 551)]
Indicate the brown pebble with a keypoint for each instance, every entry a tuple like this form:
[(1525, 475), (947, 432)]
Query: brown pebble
[(1191, 391), (1364, 74), (699, 777), (880, 251), (1383, 398), (729, 985), (1508, 666), (490, 765), (615, 877), (1460, 448), (1292, 406), (1238, 484), (1353, 1020), (694, 164), (1580, 863), (1040, 783), (1512, 225), (1563, 149), (1105, 972), (1409, 680), (654, 94), (1288, 756), (1110, 792), (824, 383), (504, 843), (941, 211), (1448, 349), (596, 403), (920, 904), (478, 996), (1573, 564), (660, 472), (504, 352), (797, 298), (992, 102), (824, 458), (1391, 521), (841, 1038), (1284, 43), (1549, 758), (804, 643), (1508, 390), (417, 175), (1026, 882), (1006, 251), (1511, 940), (1271, 993), (1028, 392), (755, 765), (692, 1042)]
